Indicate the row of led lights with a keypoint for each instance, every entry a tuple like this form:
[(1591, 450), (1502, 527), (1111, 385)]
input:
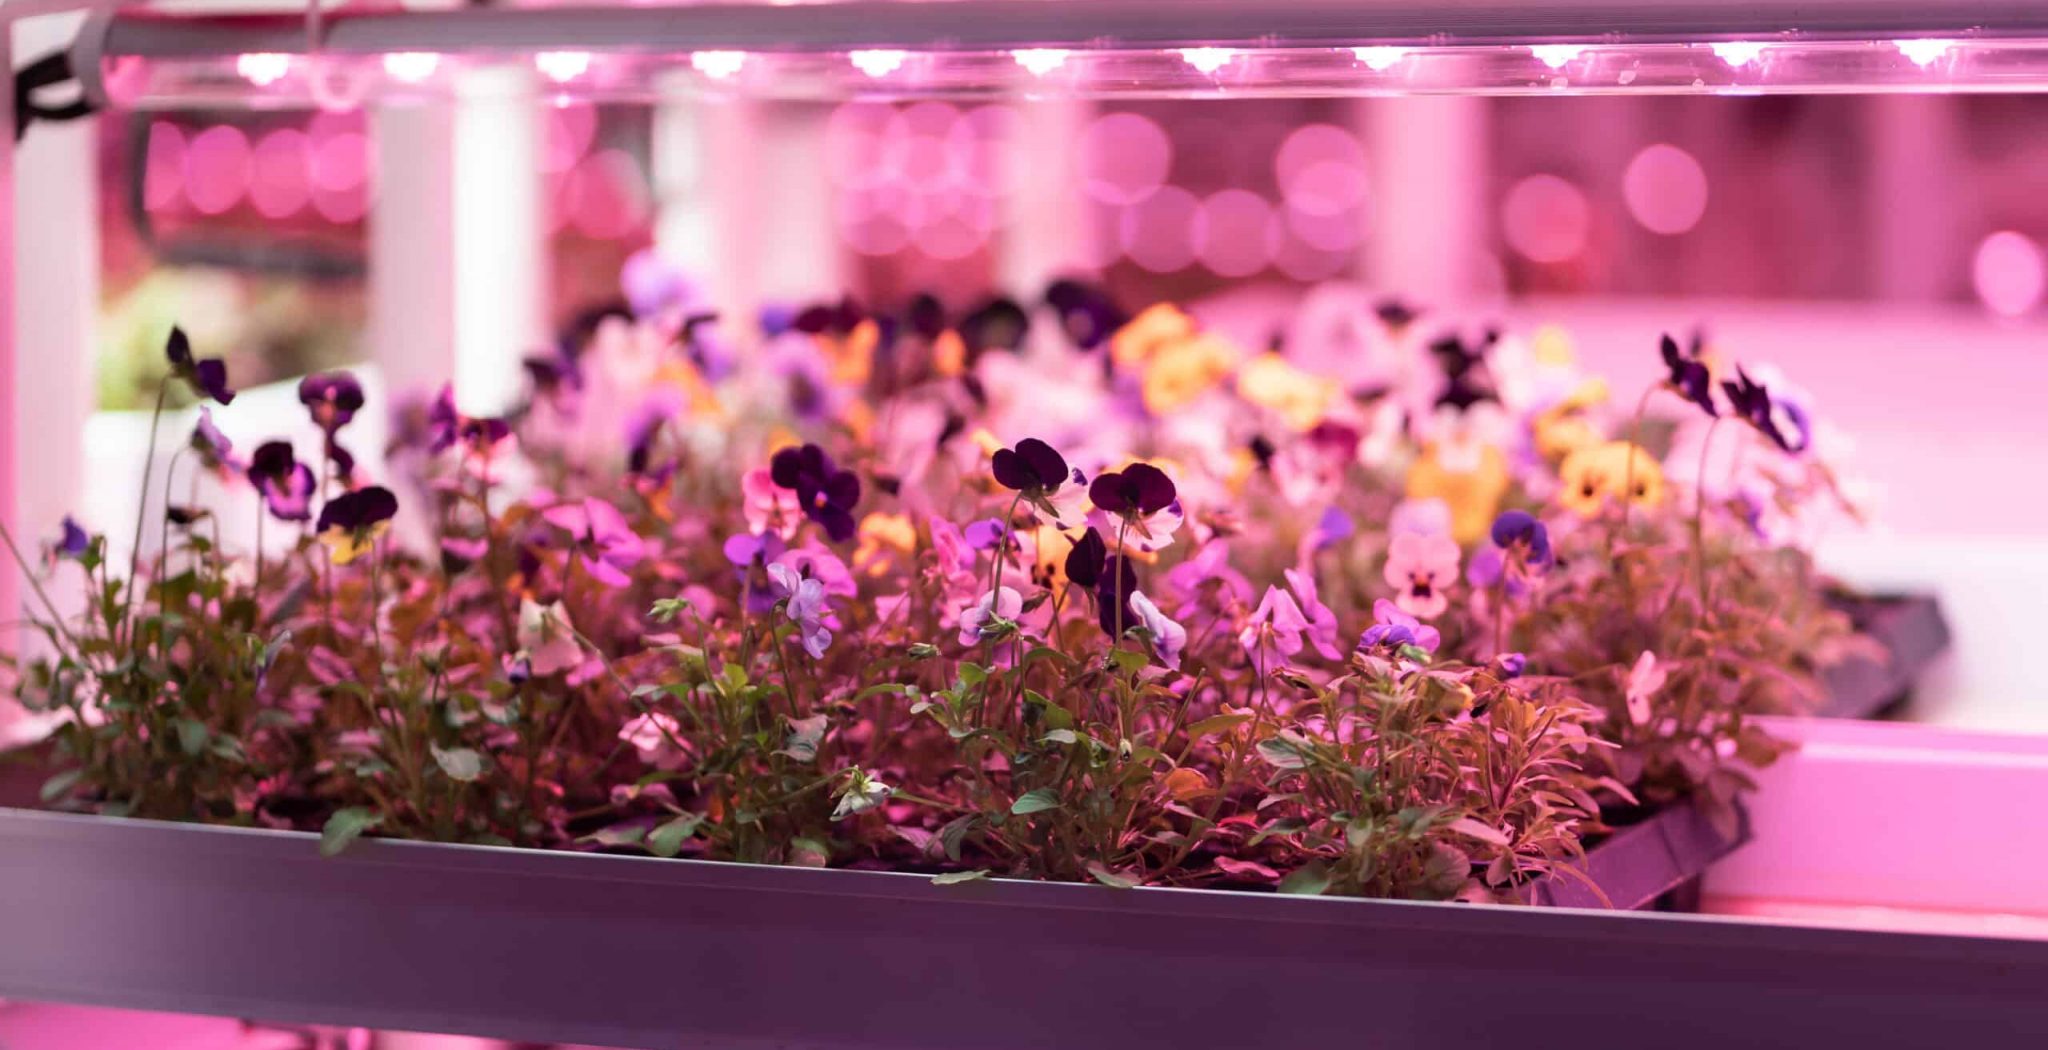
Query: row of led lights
[(562, 67)]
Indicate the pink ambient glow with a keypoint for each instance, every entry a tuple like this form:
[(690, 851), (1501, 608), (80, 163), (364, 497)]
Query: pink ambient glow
[(280, 183), (1324, 231), (411, 66), (263, 68), (163, 171), (878, 63), (1666, 189), (571, 129), (341, 161), (718, 65), (858, 150), (1236, 233), (217, 169), (606, 197), (1124, 158), (1545, 219), (872, 221), (1038, 61), (2010, 273), (1158, 232), (562, 66), (954, 226), (1321, 170), (1556, 56)]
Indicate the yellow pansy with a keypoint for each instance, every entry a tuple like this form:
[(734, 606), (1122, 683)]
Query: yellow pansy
[(1300, 397), (1565, 427), (346, 545), (851, 357), (883, 534), (1473, 495), (949, 354), (1050, 548), (1178, 374), (1159, 326), (1591, 476)]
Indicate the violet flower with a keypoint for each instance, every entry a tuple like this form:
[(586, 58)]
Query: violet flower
[(1395, 629), (1277, 624), (1754, 403), (826, 493), (604, 542), (1520, 527), (748, 551), (332, 398), (1322, 623), (213, 447), (285, 484), (803, 601), (984, 620), (985, 534), (208, 378), (1087, 314), (1168, 638), (72, 543), (1210, 563), (547, 641), (446, 426), (1688, 375), (351, 522)]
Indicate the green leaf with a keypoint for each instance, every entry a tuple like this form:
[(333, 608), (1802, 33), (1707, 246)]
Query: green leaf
[(191, 735), (1109, 878), (618, 835), (667, 840), (952, 878), (954, 833), (345, 826), (1129, 661), (1215, 724), (1309, 880), (60, 785), (1034, 801), (972, 675), (1282, 753), (1060, 736), (460, 763), (1477, 829)]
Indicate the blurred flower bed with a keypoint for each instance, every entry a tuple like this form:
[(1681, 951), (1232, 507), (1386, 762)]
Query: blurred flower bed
[(1037, 589)]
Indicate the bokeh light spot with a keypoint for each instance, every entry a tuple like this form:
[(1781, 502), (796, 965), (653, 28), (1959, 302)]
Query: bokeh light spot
[(1545, 219), (1666, 189), (2010, 273), (1124, 158)]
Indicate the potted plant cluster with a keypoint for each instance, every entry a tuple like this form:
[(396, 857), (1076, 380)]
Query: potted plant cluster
[(1043, 590)]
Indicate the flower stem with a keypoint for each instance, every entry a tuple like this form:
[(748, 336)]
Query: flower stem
[(142, 510)]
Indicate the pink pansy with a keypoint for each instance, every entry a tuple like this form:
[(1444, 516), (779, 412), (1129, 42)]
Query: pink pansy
[(768, 506), (1392, 627), (1277, 624), (1419, 568), (1322, 623), (1004, 604), (821, 565), (604, 541), (1168, 637), (1210, 562), (1644, 679), (547, 639), (656, 738)]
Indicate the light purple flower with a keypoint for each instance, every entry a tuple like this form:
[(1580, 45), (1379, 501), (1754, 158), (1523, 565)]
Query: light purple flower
[(604, 542), (978, 619), (804, 599), (1394, 628), (1322, 623), (1277, 624), (1168, 637), (985, 534), (1210, 563)]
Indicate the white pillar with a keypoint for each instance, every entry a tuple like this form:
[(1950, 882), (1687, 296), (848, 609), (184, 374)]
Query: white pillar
[(1427, 155), (411, 326), (500, 289), (705, 172), (1045, 221), (10, 386)]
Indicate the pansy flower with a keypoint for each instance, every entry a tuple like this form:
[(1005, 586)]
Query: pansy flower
[(984, 619), (1167, 637), (213, 447), (1276, 625), (1086, 559), (769, 507), (1140, 494), (1687, 375), (446, 427), (1519, 530), (1042, 477), (1087, 314), (1209, 565), (1322, 623), (1784, 423), (1641, 684), (1113, 590), (604, 543), (207, 377), (803, 601), (1394, 629), (1591, 476), (1420, 568), (285, 484), (547, 641), (826, 494), (656, 738), (332, 398), (351, 522), (72, 542), (986, 533)]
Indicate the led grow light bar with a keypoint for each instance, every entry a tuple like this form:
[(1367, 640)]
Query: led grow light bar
[(1129, 47)]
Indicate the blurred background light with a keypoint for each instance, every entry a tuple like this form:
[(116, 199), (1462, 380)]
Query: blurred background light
[(1545, 219), (1665, 189), (2009, 273)]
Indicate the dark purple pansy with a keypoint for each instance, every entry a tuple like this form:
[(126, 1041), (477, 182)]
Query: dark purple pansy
[(1113, 592), (1085, 560), (285, 484), (1519, 526), (1753, 404), (826, 493), (72, 543), (333, 398), (1687, 374), (1137, 489), (1033, 467), (1465, 380), (359, 511), (998, 324), (213, 447), (1511, 664), (1396, 313), (208, 378), (837, 319), (1087, 313)]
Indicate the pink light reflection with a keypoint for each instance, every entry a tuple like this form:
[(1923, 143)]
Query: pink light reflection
[(1339, 232), (217, 169), (1546, 219), (1235, 233), (1158, 232), (411, 67), (1666, 189), (1123, 158), (2010, 273), (280, 183), (562, 66), (263, 68), (857, 144), (606, 197), (341, 162), (163, 170), (571, 129), (1321, 169)]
